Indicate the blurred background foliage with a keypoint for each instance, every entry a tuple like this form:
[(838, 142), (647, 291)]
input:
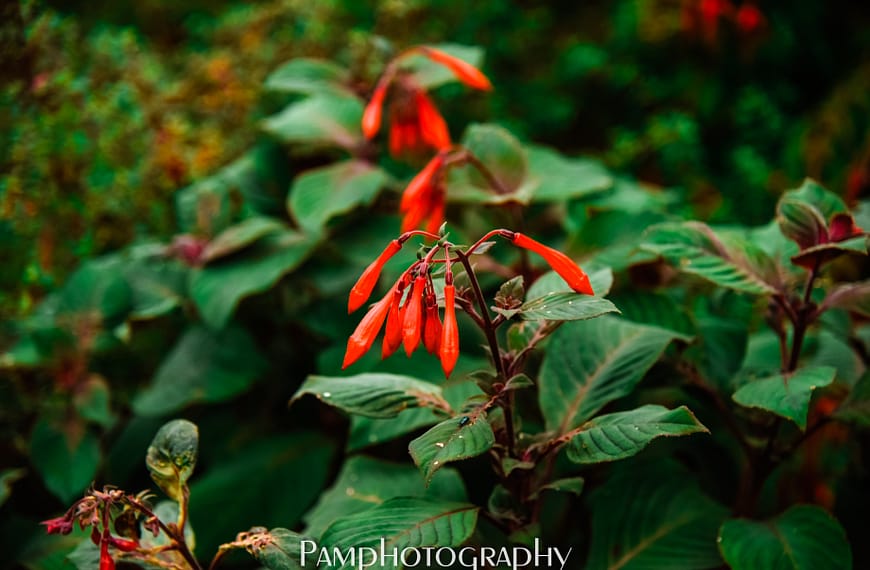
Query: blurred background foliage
[(130, 126)]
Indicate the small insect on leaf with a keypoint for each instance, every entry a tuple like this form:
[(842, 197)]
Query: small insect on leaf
[(464, 421)]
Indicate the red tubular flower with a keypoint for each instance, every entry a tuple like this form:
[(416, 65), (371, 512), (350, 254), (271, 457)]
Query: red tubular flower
[(123, 544), (106, 561), (448, 352), (412, 321), (431, 325), (60, 525), (463, 71), (371, 121), (363, 287), (424, 198), (561, 263), (749, 18), (393, 330), (366, 331), (415, 123)]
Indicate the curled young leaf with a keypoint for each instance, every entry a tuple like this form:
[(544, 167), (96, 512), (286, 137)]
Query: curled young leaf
[(172, 456)]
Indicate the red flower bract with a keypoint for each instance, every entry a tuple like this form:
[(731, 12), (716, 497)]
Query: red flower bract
[(448, 352), (363, 287), (561, 263), (366, 331)]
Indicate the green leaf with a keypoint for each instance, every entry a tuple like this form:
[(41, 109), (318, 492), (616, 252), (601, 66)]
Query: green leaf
[(733, 263), (500, 152), (211, 204), (276, 549), (566, 307), (801, 222), (573, 485), (855, 409), (373, 395), (551, 282), (623, 434), (66, 459), (853, 297), (429, 74), (810, 192), (320, 194), (829, 251), (555, 178), (266, 482), (240, 236), (331, 120), (654, 517), (804, 537), (655, 309), (219, 287), (97, 288), (364, 483), (591, 363), (786, 395), (309, 76), (92, 401), (205, 366), (404, 522), (172, 456), (158, 286), (451, 440)]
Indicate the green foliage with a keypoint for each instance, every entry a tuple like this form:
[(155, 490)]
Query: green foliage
[(786, 395)]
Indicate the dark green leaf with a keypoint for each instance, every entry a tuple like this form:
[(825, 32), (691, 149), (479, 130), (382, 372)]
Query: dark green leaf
[(240, 236), (500, 152), (92, 401), (67, 459), (402, 523), (655, 309), (623, 434), (308, 76), (828, 251), (801, 222), (556, 178), (364, 483), (320, 194), (573, 485), (373, 395), (566, 307), (810, 192), (855, 409), (205, 366), (172, 456), (654, 517), (591, 363), (733, 263), (786, 395), (276, 549), (213, 203), (260, 483), (804, 537), (451, 440), (97, 288), (217, 288), (321, 119)]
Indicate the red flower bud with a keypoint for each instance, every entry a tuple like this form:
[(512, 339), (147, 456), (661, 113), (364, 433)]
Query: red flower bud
[(561, 263), (463, 70), (363, 287), (371, 121), (448, 352), (123, 544), (431, 325), (393, 330), (366, 331), (433, 128), (106, 562), (749, 18), (411, 323), (60, 525)]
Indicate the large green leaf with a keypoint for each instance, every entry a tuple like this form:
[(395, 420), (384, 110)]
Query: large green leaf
[(240, 236), (66, 457), (364, 483), (320, 194), (804, 537), (786, 395), (309, 76), (812, 193), (451, 440), (97, 288), (654, 517), (205, 366), (855, 409), (331, 120), (276, 549), (566, 307), (623, 434), (402, 523), (555, 178), (262, 483), (158, 285), (217, 288), (656, 309), (373, 395), (429, 74), (213, 203), (591, 363), (500, 152), (728, 262)]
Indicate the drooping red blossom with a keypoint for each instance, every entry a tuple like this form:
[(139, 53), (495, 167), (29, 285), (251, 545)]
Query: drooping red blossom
[(561, 263), (464, 71), (423, 199), (448, 352), (371, 121), (59, 525), (395, 319), (106, 560), (363, 287), (366, 332), (123, 544), (749, 19), (413, 317), (431, 324)]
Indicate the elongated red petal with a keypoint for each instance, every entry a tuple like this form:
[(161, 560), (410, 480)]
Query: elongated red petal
[(393, 329), (366, 331), (431, 326), (449, 349), (436, 210), (417, 189), (362, 289), (464, 71), (433, 128), (371, 120), (412, 321), (106, 562), (561, 263)]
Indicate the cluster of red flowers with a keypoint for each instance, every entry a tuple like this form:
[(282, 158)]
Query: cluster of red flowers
[(410, 307), (416, 126), (704, 18)]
